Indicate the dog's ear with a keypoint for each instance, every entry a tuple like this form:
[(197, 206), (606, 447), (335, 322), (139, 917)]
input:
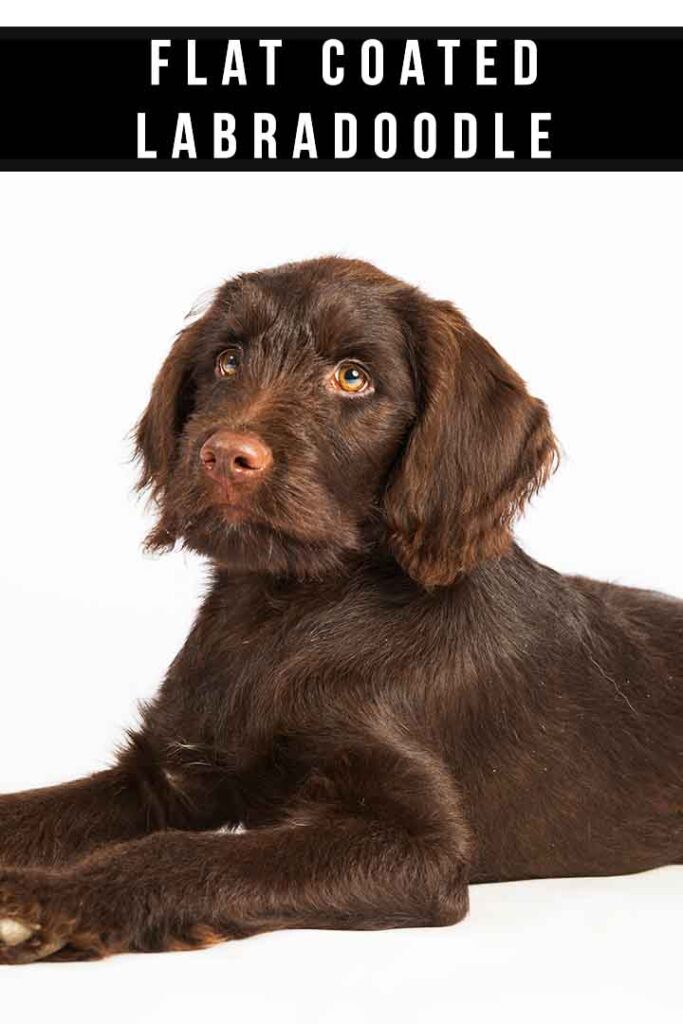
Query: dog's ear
[(158, 430), (480, 448)]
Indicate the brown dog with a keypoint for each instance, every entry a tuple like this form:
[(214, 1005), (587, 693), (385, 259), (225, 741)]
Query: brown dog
[(388, 695)]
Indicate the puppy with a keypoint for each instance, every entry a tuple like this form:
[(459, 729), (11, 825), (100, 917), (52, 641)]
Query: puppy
[(381, 690)]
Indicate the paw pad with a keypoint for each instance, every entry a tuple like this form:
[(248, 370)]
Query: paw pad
[(13, 932)]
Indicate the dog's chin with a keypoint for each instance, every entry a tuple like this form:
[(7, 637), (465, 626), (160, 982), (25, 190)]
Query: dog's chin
[(240, 540)]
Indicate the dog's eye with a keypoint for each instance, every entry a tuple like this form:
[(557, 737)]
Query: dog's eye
[(351, 378), (228, 361)]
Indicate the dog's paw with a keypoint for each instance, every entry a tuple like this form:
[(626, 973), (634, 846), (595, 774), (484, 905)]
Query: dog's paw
[(33, 926), (24, 941), (28, 930), (82, 914)]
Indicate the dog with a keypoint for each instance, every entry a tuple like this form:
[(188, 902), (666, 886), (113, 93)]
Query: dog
[(383, 699)]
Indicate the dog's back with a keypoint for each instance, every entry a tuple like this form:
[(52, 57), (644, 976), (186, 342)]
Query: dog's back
[(588, 778)]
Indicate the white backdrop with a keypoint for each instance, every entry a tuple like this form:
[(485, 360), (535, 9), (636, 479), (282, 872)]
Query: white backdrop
[(574, 278)]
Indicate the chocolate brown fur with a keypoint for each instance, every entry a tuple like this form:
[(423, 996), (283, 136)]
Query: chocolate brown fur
[(389, 696)]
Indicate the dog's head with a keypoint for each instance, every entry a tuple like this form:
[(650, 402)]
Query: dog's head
[(324, 408)]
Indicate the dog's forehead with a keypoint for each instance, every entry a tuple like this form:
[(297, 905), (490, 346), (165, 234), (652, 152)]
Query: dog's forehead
[(326, 315)]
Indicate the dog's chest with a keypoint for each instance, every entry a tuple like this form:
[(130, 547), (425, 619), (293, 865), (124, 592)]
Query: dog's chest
[(265, 674)]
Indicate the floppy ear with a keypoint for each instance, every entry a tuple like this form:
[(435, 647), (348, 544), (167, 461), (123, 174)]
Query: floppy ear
[(480, 448), (158, 430)]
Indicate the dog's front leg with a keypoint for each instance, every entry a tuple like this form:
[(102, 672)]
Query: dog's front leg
[(375, 840), (58, 824)]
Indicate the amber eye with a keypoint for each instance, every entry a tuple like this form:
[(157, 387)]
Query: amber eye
[(351, 378), (228, 361)]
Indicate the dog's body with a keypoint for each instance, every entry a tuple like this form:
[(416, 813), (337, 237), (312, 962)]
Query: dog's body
[(388, 695), (553, 719)]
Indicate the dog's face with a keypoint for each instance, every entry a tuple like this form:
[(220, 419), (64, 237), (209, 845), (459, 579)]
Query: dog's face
[(292, 396), (321, 409)]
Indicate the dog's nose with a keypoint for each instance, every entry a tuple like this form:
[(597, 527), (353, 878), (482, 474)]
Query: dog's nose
[(240, 458)]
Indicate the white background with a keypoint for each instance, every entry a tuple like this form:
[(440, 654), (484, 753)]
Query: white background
[(574, 278)]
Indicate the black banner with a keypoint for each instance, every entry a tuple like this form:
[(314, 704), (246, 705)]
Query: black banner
[(341, 99)]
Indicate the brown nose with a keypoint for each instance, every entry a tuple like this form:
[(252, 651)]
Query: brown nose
[(240, 458)]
